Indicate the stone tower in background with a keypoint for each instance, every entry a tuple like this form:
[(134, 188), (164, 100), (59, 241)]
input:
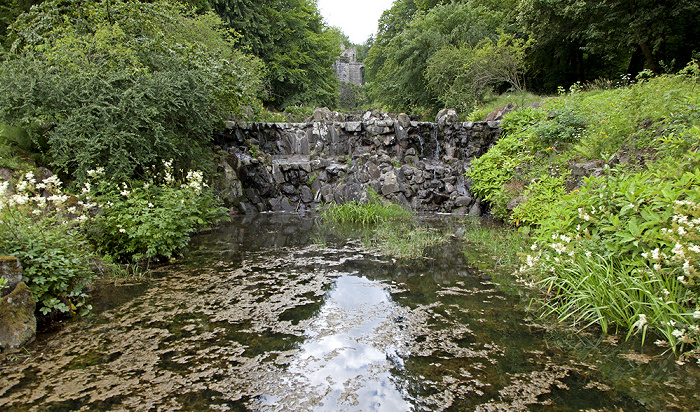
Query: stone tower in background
[(347, 69)]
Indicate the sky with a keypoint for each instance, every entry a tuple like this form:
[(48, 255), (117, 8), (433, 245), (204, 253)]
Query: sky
[(356, 18)]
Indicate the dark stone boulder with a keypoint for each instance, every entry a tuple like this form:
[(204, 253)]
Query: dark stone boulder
[(17, 321)]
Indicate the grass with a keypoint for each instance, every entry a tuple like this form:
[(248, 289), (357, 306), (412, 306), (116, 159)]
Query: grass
[(365, 213), (491, 103)]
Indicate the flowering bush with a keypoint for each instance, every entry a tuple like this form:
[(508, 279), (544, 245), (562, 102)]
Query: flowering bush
[(625, 251), (41, 226), (155, 218)]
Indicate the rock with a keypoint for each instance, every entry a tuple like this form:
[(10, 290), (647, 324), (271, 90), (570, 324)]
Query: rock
[(282, 204), (17, 321), (463, 201), (500, 112), (373, 170), (307, 196), (353, 126), (323, 114), (585, 168), (446, 116), (11, 271), (403, 120), (390, 184), (228, 186), (475, 210)]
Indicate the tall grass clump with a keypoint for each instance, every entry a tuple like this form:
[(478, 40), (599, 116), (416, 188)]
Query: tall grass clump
[(369, 212)]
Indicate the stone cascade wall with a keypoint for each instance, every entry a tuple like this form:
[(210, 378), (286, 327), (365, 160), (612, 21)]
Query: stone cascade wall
[(300, 165)]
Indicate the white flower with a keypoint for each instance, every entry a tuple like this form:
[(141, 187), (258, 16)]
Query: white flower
[(588, 254), (124, 193), (678, 251), (681, 231), (86, 189), (687, 269), (641, 322), (82, 218), (534, 246), (657, 267), (122, 230), (150, 204), (696, 314), (678, 333)]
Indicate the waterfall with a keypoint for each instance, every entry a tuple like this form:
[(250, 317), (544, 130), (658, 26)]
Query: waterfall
[(434, 135)]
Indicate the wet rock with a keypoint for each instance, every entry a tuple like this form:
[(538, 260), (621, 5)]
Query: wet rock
[(17, 321), (228, 186), (282, 204)]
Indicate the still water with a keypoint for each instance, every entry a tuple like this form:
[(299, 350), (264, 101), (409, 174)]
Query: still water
[(273, 313)]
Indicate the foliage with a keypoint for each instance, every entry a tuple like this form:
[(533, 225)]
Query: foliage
[(502, 243), (151, 219), (121, 84), (42, 227), (625, 250), (492, 102), (537, 200), (402, 239), (397, 78), (352, 97), (296, 46), (461, 76), (581, 41), (592, 124)]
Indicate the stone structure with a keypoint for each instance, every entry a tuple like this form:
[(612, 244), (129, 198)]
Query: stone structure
[(300, 165), (17, 320), (347, 69)]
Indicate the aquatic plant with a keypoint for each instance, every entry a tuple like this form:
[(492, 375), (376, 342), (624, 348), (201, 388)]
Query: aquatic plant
[(372, 211)]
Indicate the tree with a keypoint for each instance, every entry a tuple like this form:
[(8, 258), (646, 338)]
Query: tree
[(399, 82), (292, 40), (461, 75), (580, 41), (122, 85)]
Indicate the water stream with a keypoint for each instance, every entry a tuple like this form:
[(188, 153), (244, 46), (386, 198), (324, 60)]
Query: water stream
[(273, 313)]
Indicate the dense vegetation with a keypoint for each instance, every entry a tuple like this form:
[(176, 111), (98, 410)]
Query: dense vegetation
[(607, 183), (441, 53)]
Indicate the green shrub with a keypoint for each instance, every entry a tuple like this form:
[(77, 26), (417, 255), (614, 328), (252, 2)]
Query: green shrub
[(123, 85), (151, 219), (538, 199), (566, 126), (42, 227)]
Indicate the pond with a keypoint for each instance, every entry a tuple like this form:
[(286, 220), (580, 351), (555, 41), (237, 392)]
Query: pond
[(273, 313)]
